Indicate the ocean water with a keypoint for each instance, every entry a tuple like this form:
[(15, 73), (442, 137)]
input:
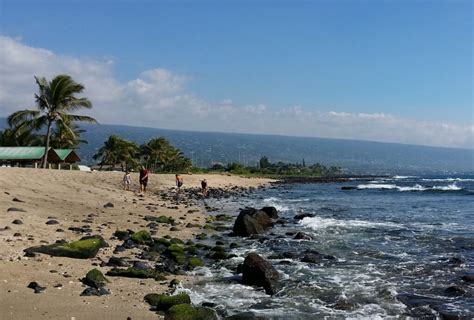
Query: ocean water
[(392, 238)]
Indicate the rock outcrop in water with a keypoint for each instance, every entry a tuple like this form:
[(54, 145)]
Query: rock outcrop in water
[(259, 272), (252, 221)]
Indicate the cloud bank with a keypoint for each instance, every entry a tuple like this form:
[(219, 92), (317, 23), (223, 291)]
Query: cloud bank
[(159, 98)]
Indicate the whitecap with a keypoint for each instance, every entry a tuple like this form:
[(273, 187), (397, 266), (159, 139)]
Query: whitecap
[(318, 223)]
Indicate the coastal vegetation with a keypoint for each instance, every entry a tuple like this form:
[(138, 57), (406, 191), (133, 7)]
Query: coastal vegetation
[(55, 101)]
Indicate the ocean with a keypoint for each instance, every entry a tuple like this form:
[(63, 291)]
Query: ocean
[(401, 246)]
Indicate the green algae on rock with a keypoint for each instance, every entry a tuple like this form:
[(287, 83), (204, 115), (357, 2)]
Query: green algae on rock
[(188, 312), (95, 278), (142, 237), (85, 248), (163, 302)]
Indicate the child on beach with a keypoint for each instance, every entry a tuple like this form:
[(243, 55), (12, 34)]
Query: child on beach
[(127, 179), (179, 182), (204, 187)]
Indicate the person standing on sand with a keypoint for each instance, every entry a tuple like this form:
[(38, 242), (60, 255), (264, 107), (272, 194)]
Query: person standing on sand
[(204, 189), (127, 179), (179, 182), (143, 179)]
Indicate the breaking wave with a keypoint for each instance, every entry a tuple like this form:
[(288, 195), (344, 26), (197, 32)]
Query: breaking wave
[(416, 187)]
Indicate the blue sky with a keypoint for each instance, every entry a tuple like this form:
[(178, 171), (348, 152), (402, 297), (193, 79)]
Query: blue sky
[(410, 60)]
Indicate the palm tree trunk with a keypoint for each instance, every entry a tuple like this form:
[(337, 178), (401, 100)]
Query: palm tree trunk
[(46, 147)]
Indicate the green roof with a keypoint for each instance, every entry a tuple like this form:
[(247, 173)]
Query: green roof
[(63, 153), (21, 153)]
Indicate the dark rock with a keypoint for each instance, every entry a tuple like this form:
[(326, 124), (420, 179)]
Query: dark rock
[(259, 272), (251, 221), (136, 273), (454, 291), (117, 262), (50, 222), (17, 234), (142, 237), (162, 302), (17, 200), (415, 300), (36, 287), (122, 235), (348, 188), (95, 292), (15, 210), (17, 221), (469, 278), (304, 215), (302, 236), (109, 205), (246, 316), (272, 212)]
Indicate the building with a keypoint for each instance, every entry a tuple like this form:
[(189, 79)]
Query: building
[(33, 157)]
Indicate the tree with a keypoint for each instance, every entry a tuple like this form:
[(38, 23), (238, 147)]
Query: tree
[(54, 102), (10, 138), (117, 151), (264, 163), (66, 135), (160, 155)]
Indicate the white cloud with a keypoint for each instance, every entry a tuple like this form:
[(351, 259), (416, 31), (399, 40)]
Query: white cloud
[(159, 98)]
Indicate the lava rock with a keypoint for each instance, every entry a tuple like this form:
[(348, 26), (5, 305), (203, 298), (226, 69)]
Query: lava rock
[(36, 287), (95, 292), (304, 215), (15, 210), (162, 302), (17, 221), (454, 291), (51, 222), (95, 278), (188, 312), (302, 236), (109, 205), (259, 272), (85, 248), (251, 221)]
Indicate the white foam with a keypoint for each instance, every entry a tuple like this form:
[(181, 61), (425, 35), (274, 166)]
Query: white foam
[(416, 187), (318, 223), (450, 180), (404, 177)]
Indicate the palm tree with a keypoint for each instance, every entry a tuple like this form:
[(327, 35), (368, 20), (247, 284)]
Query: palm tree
[(54, 101), (10, 138), (67, 134), (116, 150), (153, 152)]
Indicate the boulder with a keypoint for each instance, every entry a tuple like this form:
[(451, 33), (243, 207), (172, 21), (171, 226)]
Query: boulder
[(162, 302), (85, 248), (272, 212), (142, 237), (259, 272), (188, 312), (303, 215), (302, 236), (94, 278), (251, 221), (36, 287), (135, 273)]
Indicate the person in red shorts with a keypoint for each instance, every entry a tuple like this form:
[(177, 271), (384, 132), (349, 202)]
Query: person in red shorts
[(143, 179)]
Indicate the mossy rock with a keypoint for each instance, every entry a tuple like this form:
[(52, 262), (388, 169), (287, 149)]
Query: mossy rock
[(136, 273), (223, 217), (179, 257), (233, 245), (163, 302), (175, 248), (176, 241), (191, 249), (193, 225), (95, 278), (202, 246), (188, 312), (195, 262), (162, 241), (85, 248), (190, 243), (209, 226), (142, 237), (220, 228), (164, 219), (210, 219), (122, 235), (218, 248), (201, 236), (220, 255)]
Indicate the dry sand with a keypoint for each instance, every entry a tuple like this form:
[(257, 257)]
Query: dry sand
[(69, 197)]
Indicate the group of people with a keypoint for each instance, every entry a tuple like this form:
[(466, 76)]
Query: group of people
[(143, 179)]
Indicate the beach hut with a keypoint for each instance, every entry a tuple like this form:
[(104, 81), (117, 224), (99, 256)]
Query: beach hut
[(66, 156), (26, 156)]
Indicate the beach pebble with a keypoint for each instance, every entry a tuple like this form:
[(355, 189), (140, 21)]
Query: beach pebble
[(17, 221), (109, 205), (17, 200), (15, 210), (50, 222)]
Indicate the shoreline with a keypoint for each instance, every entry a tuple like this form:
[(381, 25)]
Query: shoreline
[(54, 201)]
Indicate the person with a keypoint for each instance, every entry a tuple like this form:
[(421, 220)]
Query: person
[(179, 182), (127, 179), (143, 179), (204, 187)]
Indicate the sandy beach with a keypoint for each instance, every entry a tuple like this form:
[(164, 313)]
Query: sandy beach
[(76, 199)]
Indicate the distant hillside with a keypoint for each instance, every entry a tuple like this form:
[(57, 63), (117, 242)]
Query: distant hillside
[(358, 156)]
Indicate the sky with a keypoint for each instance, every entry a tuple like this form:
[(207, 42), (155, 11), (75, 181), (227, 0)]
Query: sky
[(391, 71)]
